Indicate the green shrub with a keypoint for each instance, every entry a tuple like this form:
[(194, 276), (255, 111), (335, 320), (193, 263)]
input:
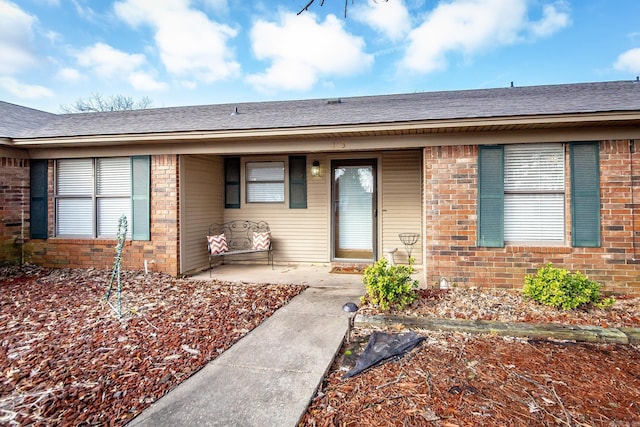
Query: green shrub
[(390, 285), (559, 288)]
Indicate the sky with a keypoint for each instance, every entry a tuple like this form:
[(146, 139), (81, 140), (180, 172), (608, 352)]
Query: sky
[(193, 52)]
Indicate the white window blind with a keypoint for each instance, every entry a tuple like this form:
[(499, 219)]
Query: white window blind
[(75, 177), (113, 188), (113, 176), (534, 193), (88, 207), (265, 182), (74, 205), (74, 217), (109, 212)]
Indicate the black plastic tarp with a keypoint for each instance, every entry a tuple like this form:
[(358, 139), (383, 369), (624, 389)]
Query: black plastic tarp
[(382, 347)]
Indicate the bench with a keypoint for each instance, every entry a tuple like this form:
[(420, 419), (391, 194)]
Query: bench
[(239, 237)]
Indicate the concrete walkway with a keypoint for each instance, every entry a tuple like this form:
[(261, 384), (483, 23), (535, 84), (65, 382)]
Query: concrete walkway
[(269, 376)]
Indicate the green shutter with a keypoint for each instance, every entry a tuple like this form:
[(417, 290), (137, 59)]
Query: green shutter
[(38, 209), (232, 182), (585, 194), (297, 182), (491, 196), (140, 200)]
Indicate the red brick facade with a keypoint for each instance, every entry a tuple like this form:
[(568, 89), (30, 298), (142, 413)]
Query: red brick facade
[(161, 252), (450, 176), (14, 207), (451, 218)]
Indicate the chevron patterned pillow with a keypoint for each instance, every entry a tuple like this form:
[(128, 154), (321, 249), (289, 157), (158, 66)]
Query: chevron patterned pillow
[(217, 244), (261, 241)]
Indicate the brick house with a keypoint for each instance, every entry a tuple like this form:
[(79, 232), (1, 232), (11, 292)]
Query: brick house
[(496, 182)]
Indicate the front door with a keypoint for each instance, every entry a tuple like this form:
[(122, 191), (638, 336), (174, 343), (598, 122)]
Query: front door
[(353, 195)]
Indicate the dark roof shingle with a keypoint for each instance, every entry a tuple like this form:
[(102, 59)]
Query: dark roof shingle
[(16, 120), (450, 105)]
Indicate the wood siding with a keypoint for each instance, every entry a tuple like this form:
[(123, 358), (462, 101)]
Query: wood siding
[(201, 200), (401, 202), (298, 235)]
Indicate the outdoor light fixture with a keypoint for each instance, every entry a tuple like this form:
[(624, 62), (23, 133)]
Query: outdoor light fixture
[(315, 168), (351, 309)]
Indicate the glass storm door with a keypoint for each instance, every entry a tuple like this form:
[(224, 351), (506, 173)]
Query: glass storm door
[(353, 196)]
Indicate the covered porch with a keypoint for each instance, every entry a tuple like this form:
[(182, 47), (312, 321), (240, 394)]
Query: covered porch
[(326, 209)]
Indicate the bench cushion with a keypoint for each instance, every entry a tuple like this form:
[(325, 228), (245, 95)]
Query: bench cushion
[(217, 244), (261, 241)]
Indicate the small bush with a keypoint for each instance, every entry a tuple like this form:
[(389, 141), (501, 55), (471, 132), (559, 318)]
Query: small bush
[(559, 288), (390, 285)]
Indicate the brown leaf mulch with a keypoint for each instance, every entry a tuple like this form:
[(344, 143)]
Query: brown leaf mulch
[(456, 379), (462, 380), (66, 358)]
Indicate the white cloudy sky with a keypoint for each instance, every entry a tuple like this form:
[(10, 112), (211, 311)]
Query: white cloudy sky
[(181, 52)]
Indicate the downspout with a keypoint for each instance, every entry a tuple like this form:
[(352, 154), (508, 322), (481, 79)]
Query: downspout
[(22, 215), (423, 213), (22, 227), (632, 149)]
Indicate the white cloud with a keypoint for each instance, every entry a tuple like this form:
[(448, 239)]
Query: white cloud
[(554, 18), (106, 61), (629, 61), (24, 91), (188, 84), (69, 75), (302, 51), (391, 18), (85, 12), (110, 63), (143, 81), (471, 26), (16, 37), (190, 44)]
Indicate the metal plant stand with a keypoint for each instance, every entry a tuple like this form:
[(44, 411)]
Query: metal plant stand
[(409, 240), (115, 274)]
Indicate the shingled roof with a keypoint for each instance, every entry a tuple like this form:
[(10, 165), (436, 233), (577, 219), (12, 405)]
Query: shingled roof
[(582, 98), (16, 120)]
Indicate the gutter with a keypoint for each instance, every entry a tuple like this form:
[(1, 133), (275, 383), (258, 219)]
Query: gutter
[(339, 131)]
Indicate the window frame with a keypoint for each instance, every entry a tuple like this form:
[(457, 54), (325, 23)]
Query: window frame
[(265, 182), (586, 208), (527, 189), (137, 193)]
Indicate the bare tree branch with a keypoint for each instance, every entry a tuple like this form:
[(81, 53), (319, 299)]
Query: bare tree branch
[(346, 5), (98, 103)]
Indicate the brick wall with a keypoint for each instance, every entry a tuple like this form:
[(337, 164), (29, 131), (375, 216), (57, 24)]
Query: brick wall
[(14, 207), (451, 225), (161, 252)]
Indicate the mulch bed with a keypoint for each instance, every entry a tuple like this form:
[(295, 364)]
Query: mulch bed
[(66, 358), (457, 379), (462, 380)]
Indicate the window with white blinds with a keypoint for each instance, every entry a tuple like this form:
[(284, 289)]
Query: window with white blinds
[(265, 182), (113, 193), (91, 196), (534, 193)]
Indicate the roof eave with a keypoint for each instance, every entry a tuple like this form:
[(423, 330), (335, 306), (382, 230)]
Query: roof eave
[(617, 118)]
